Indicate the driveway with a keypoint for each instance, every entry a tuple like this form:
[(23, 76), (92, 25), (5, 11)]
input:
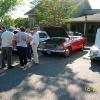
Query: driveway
[(55, 78)]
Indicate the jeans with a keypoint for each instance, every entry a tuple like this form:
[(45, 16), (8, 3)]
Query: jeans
[(29, 51)]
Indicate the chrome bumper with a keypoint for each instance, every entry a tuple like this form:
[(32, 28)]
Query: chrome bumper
[(51, 50)]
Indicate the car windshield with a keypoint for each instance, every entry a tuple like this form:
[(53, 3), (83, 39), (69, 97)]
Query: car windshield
[(42, 35)]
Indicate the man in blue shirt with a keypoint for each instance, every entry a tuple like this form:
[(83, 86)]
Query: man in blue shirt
[(22, 40)]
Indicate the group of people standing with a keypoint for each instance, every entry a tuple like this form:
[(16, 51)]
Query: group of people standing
[(26, 44)]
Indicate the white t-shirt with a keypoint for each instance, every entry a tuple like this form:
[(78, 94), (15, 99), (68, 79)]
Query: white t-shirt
[(35, 38), (7, 37)]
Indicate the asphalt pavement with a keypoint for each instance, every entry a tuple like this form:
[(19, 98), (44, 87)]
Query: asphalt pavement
[(55, 78)]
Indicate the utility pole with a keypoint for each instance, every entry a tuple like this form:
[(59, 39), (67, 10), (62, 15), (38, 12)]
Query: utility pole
[(85, 25)]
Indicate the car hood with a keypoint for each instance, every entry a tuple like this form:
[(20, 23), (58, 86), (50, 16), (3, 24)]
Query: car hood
[(55, 31), (97, 40)]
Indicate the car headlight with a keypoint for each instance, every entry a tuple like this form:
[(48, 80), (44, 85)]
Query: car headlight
[(42, 45), (94, 53)]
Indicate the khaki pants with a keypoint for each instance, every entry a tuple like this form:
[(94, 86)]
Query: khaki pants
[(6, 53), (35, 53)]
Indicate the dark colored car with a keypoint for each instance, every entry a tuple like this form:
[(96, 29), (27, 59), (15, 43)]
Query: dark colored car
[(60, 42)]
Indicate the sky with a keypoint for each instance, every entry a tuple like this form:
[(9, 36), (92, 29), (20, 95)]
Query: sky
[(95, 4), (26, 6), (21, 9)]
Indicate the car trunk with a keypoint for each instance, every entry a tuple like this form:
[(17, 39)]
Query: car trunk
[(56, 31)]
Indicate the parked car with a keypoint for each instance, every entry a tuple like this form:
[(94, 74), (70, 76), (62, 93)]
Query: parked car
[(71, 33), (60, 42), (95, 49), (43, 35)]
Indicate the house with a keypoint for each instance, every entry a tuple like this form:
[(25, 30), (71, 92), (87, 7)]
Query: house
[(31, 17), (85, 19)]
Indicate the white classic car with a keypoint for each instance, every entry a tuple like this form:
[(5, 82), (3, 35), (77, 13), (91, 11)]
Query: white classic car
[(95, 49)]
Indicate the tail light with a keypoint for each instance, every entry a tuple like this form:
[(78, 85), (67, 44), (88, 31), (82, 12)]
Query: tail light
[(65, 46)]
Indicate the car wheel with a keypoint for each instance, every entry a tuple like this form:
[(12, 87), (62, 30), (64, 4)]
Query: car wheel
[(92, 60), (67, 53)]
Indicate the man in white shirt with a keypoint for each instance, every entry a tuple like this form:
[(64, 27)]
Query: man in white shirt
[(6, 45), (35, 43)]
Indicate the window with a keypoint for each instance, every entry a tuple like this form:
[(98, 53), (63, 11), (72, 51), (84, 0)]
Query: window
[(42, 35)]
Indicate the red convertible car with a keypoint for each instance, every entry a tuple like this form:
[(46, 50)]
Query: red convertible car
[(60, 42)]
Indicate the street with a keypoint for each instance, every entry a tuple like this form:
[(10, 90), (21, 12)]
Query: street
[(55, 78)]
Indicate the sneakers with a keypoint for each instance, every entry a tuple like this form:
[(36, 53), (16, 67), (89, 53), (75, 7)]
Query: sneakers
[(29, 60), (24, 66), (36, 63), (21, 66)]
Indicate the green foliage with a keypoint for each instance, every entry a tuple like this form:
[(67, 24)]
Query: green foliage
[(7, 5), (21, 22), (54, 12), (7, 20)]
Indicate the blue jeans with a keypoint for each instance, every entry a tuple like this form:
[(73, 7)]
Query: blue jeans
[(29, 51)]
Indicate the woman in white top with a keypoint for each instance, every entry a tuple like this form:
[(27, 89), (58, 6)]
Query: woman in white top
[(35, 43)]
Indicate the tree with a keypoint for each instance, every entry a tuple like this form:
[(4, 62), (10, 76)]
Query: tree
[(21, 22), (54, 12), (7, 5), (7, 20)]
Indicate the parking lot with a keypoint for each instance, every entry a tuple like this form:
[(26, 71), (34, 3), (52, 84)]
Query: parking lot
[(55, 78)]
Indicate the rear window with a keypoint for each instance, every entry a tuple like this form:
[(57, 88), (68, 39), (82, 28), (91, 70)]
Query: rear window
[(42, 35)]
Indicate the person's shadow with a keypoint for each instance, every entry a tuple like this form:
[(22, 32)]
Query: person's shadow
[(52, 72)]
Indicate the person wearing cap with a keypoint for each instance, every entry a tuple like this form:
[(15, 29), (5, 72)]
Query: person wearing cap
[(35, 43), (6, 45)]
